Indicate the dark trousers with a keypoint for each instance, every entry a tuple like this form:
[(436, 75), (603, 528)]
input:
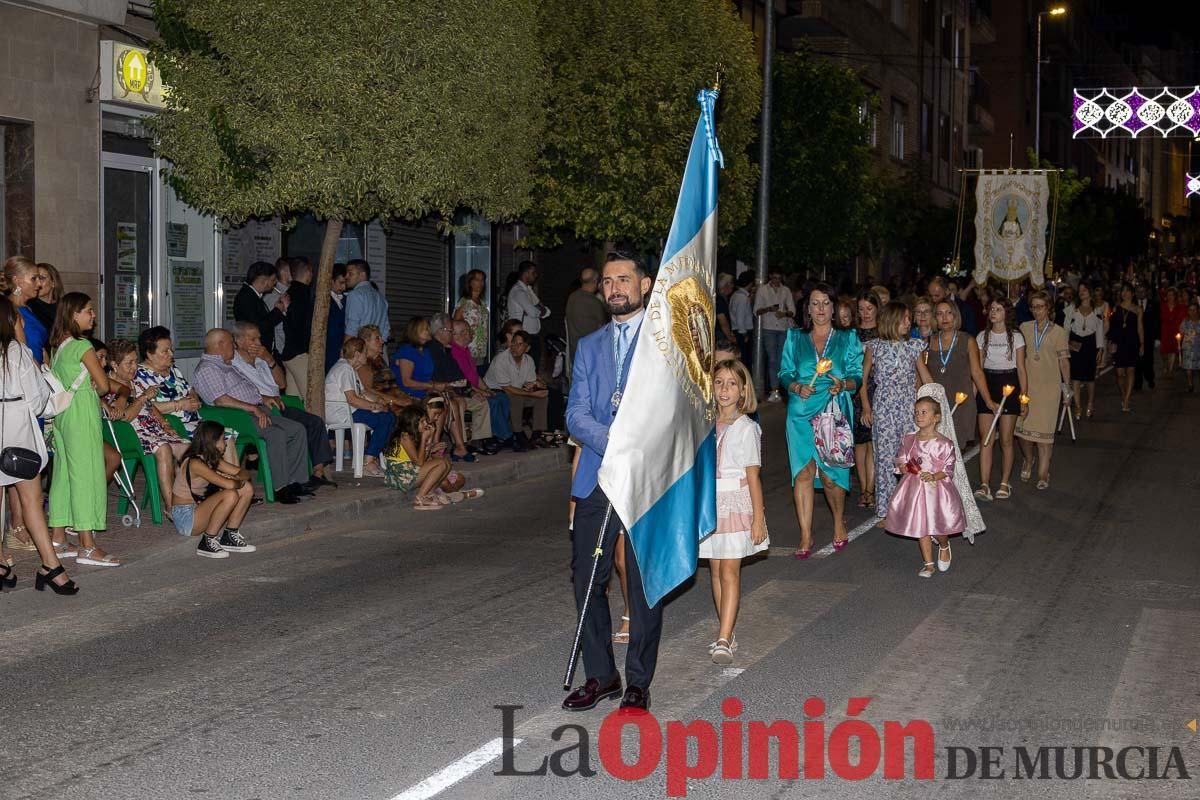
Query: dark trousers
[(380, 424), (318, 437), (1144, 372), (645, 623)]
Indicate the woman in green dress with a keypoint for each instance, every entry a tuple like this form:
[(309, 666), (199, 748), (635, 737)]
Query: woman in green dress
[(78, 491), (806, 399)]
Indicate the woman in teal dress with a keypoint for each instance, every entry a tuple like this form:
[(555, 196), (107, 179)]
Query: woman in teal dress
[(78, 489), (803, 349)]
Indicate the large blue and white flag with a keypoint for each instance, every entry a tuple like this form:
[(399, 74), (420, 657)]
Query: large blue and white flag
[(659, 469)]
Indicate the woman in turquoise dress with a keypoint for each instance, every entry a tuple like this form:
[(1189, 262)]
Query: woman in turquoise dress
[(803, 349), (78, 490)]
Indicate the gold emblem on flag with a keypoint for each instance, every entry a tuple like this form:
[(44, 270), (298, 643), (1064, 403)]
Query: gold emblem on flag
[(692, 318)]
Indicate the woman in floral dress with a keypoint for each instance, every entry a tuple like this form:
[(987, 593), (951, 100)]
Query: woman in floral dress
[(892, 371), (472, 309)]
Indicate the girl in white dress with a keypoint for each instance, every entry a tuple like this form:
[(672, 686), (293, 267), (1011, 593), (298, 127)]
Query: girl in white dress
[(741, 521)]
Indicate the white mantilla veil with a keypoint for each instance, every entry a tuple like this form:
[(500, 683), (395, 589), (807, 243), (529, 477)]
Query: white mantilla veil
[(946, 428)]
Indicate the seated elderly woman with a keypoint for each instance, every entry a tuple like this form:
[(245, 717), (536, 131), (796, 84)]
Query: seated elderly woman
[(175, 398), (136, 407), (376, 375)]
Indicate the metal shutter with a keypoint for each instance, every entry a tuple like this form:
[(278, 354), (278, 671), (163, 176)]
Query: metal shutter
[(417, 271)]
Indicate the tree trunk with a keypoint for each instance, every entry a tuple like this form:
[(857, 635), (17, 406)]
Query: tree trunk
[(314, 402)]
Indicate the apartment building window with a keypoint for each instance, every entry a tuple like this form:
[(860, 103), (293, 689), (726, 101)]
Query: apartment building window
[(900, 13), (948, 37), (16, 188), (899, 123), (870, 120), (944, 136), (955, 143), (960, 39), (928, 21), (926, 129)]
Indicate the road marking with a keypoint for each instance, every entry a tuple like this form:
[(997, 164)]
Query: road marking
[(436, 784), (784, 608)]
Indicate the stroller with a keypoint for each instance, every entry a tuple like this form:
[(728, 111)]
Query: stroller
[(123, 478)]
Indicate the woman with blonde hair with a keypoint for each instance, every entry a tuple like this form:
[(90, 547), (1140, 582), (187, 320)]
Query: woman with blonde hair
[(894, 360)]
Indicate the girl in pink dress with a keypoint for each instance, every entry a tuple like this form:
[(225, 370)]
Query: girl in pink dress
[(927, 503), (741, 522)]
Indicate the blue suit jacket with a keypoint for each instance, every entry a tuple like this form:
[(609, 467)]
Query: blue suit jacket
[(589, 407)]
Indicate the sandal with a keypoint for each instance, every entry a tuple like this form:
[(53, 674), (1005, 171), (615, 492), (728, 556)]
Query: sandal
[(622, 637), (426, 503), (862, 500), (985, 492), (87, 556), (732, 644), (64, 550), (15, 542), (722, 653), (1026, 471), (1004, 492), (926, 571)]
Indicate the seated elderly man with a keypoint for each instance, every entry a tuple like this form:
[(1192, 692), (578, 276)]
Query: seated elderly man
[(513, 372), (267, 374), (467, 398), (219, 383)]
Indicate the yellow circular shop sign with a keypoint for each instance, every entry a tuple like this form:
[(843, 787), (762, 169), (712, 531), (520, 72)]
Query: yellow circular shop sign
[(134, 72)]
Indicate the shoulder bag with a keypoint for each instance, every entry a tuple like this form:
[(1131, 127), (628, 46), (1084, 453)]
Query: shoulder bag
[(60, 398), (21, 463), (833, 436)]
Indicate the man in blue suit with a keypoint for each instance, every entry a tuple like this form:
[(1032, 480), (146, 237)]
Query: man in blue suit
[(600, 371)]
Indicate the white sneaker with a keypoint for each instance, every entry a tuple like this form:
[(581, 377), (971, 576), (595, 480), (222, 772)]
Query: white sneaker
[(774, 397)]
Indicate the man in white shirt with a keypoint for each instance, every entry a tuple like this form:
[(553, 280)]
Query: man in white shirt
[(512, 372), (251, 360), (525, 307), (741, 316), (775, 308)]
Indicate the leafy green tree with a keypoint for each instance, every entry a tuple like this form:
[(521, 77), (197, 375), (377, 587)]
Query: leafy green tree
[(1074, 223), (382, 109), (820, 162), (621, 109)]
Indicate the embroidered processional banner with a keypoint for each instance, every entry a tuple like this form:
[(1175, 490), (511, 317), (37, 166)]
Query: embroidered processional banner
[(1010, 226)]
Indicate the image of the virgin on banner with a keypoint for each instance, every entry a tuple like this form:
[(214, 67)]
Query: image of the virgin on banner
[(1010, 226)]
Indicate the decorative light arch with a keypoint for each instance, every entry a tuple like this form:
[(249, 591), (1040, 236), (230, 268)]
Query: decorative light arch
[(1193, 185), (1167, 111)]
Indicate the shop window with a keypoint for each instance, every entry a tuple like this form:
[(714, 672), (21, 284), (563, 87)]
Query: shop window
[(16, 188), (472, 251), (305, 239)]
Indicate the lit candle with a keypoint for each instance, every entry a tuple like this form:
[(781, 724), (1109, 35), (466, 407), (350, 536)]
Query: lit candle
[(1024, 400), (1007, 390), (959, 399), (823, 366)]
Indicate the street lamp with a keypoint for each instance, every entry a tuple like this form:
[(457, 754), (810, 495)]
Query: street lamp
[(1053, 11)]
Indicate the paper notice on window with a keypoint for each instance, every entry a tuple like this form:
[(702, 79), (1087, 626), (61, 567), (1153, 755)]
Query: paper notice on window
[(177, 239), (187, 305), (127, 247)]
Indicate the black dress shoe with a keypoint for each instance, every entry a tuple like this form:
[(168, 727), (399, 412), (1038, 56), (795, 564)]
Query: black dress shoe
[(287, 496), (635, 701), (321, 480), (591, 693), (300, 490)]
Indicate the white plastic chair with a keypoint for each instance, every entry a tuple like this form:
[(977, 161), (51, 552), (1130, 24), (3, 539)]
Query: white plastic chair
[(358, 444)]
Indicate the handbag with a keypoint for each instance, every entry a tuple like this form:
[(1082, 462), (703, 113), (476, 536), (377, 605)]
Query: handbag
[(17, 462), (60, 398), (833, 436)]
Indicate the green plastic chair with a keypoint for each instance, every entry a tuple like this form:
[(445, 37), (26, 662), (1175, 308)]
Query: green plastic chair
[(292, 401), (130, 447), (176, 423), (248, 436)]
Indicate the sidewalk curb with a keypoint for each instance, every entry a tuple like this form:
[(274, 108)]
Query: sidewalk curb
[(493, 471)]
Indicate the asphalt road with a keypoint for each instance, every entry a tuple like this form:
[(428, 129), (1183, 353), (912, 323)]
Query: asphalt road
[(365, 660)]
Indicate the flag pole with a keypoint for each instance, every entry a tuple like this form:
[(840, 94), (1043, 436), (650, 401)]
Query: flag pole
[(587, 599), (764, 189)]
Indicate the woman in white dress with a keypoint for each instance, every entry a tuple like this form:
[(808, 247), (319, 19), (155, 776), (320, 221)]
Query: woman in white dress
[(23, 394)]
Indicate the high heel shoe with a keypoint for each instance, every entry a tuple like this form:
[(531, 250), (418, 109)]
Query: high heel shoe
[(43, 579), (6, 576), (802, 554), (840, 546)]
